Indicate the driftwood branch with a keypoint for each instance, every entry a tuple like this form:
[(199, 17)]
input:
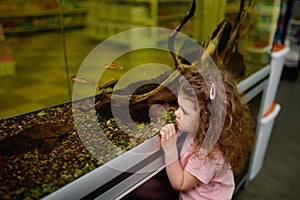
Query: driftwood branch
[(173, 35), (221, 55)]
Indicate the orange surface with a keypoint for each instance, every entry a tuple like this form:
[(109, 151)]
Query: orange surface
[(277, 47), (270, 110)]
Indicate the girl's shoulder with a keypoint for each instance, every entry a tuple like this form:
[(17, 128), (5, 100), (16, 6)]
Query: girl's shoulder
[(217, 157)]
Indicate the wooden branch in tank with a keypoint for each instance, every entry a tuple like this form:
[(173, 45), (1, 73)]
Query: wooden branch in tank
[(222, 48), (43, 136)]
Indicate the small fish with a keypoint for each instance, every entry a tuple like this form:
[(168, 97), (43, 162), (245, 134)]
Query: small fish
[(109, 84), (81, 80), (114, 66)]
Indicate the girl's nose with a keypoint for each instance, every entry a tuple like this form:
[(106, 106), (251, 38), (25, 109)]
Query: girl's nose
[(177, 113)]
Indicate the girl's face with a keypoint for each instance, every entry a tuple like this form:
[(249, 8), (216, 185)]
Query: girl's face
[(187, 114)]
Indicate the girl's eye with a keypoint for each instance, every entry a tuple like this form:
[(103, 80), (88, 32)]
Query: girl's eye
[(183, 111)]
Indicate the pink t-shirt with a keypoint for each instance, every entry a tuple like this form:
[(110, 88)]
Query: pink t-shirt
[(215, 175)]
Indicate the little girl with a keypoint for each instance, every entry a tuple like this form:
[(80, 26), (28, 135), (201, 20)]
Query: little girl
[(208, 175)]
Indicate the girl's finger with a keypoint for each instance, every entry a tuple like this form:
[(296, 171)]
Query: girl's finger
[(162, 134)]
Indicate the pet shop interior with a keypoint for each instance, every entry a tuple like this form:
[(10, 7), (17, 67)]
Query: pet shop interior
[(62, 62)]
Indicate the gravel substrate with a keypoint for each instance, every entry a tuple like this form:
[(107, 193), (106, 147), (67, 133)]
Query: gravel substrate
[(34, 174)]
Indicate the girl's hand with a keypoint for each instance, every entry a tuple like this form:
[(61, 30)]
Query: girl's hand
[(168, 138)]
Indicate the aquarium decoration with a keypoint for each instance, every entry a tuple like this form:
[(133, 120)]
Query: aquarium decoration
[(222, 48), (42, 136)]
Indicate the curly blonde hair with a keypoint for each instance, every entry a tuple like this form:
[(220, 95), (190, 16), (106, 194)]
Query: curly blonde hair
[(237, 137)]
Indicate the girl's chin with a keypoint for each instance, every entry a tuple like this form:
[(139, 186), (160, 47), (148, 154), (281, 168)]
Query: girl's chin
[(179, 127)]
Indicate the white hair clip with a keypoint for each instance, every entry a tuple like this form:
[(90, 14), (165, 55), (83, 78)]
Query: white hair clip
[(212, 93)]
